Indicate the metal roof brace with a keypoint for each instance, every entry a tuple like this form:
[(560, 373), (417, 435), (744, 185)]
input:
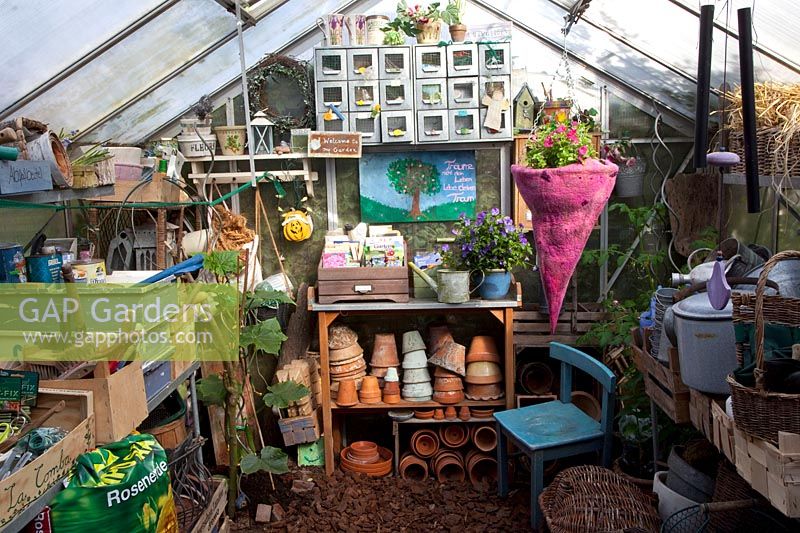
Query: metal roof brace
[(245, 92)]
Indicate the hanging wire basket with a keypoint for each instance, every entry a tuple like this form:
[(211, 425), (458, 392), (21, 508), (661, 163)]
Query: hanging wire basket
[(697, 519)]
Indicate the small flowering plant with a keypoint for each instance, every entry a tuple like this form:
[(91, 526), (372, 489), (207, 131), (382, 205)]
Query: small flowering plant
[(618, 153), (409, 17), (559, 143), (488, 242)]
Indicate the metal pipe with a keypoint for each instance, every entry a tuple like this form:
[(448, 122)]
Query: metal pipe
[(745, 16), (703, 85), (246, 93)]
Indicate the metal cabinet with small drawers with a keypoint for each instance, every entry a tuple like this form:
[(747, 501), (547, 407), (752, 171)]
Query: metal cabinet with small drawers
[(396, 95), (397, 126), (368, 125), (394, 62), (494, 59), (462, 60), (431, 93), (464, 124), (430, 62), (463, 93), (432, 126)]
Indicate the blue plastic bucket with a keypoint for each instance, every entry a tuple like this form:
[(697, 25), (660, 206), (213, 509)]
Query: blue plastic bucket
[(44, 268), (12, 263)]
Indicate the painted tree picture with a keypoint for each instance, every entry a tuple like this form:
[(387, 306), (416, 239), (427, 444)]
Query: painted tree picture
[(413, 177), (417, 187)]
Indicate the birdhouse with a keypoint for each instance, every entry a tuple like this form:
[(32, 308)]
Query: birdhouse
[(262, 133), (524, 105)]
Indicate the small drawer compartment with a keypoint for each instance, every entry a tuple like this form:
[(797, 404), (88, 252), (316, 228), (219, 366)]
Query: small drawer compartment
[(330, 64), (394, 62), (432, 126), (463, 93), (431, 93), (494, 59), (496, 83), (395, 95), (505, 126), (363, 95), (332, 93), (430, 61), (334, 124), (362, 64), (462, 60), (369, 126), (464, 125), (397, 126)]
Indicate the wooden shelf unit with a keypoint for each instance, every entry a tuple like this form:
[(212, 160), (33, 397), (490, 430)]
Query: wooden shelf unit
[(501, 310)]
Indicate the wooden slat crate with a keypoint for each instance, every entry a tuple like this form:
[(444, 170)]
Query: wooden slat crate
[(700, 412), (772, 471), (663, 384), (362, 284), (300, 429), (722, 432), (214, 514), (532, 327)]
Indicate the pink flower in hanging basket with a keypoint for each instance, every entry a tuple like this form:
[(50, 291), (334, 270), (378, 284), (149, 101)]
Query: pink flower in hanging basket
[(548, 142)]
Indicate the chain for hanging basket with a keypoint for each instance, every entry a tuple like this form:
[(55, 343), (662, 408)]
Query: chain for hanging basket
[(280, 65)]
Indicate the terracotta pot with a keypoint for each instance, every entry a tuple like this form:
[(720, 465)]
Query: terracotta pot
[(413, 468), (342, 354), (484, 392), (482, 413), (384, 351), (484, 438), (370, 385), (481, 469), (448, 384), (437, 336), (425, 442), (535, 378), (454, 435), (391, 375), (483, 373), (458, 32), (369, 399), (380, 468), (355, 374), (485, 357), (448, 398), (423, 415), (391, 387), (450, 413), (464, 413), (363, 450), (378, 372), (356, 366), (349, 360), (416, 375), (482, 344), (449, 467), (440, 372), (415, 359), (391, 399), (450, 356), (347, 396), (340, 337), (412, 341), (588, 404), (438, 414)]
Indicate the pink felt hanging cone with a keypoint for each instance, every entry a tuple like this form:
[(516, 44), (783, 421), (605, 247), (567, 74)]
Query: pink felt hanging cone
[(565, 203)]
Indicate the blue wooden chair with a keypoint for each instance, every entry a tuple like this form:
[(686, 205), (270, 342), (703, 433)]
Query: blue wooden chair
[(558, 428)]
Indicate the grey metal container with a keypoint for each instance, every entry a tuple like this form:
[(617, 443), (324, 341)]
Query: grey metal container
[(462, 60), (369, 126), (396, 95), (706, 343), (431, 93), (430, 61), (432, 126), (494, 59), (362, 64), (363, 95), (464, 125), (463, 93), (395, 62), (330, 64)]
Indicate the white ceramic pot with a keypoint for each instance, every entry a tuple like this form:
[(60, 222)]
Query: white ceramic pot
[(415, 359), (669, 501), (412, 341), (417, 390), (231, 139), (197, 146), (416, 375), (391, 375)]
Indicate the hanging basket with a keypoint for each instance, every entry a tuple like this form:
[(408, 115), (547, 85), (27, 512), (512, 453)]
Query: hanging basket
[(757, 411), (565, 203)]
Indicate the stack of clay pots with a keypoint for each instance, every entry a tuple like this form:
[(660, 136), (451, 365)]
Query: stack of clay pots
[(391, 387), (346, 358), (484, 378), (370, 390), (384, 355), (449, 361), (416, 379), (367, 458)]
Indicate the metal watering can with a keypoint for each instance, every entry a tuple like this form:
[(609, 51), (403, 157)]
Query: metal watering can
[(453, 285)]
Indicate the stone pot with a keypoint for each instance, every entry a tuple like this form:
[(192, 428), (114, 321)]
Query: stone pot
[(669, 501), (687, 480), (415, 359), (391, 375), (458, 32), (412, 341), (416, 375), (417, 391)]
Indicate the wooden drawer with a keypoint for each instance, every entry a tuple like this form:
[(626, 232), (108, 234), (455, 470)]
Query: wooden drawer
[(361, 284), (362, 287)]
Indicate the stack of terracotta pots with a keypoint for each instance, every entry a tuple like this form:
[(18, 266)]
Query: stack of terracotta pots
[(484, 377), (391, 387), (481, 468), (346, 358), (449, 361), (370, 390), (366, 458), (416, 379), (448, 465), (413, 468), (384, 355)]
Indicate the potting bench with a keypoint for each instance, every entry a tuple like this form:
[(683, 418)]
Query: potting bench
[(501, 310)]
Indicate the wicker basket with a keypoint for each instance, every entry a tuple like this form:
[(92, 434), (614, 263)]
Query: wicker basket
[(757, 411), (84, 177), (591, 498), (772, 160)]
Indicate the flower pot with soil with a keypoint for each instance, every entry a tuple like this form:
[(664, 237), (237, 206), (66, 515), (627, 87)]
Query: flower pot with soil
[(453, 16)]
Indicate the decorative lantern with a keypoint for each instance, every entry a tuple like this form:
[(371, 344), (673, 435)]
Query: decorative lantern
[(262, 133)]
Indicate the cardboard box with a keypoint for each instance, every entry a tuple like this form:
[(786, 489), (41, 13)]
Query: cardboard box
[(23, 487)]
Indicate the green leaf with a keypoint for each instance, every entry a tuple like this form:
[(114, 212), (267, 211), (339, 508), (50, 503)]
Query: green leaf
[(268, 298), (282, 394), (265, 336), (271, 459), (222, 264), (211, 390)]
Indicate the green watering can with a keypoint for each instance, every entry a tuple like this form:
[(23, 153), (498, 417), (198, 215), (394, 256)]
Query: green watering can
[(453, 285)]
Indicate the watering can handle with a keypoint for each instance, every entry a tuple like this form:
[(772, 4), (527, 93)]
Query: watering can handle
[(321, 25), (691, 256), (483, 278)]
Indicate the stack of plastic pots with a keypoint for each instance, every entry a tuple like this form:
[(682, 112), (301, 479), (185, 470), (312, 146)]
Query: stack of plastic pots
[(484, 378), (416, 379)]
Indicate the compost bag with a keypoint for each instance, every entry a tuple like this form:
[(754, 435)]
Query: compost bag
[(123, 486)]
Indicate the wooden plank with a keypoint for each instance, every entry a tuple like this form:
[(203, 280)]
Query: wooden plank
[(396, 298), (216, 418), (207, 522), (359, 274), (334, 144)]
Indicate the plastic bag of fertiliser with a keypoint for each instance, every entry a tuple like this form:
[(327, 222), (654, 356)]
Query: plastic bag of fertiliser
[(122, 486)]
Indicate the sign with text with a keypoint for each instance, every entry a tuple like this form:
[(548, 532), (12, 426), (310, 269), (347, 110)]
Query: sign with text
[(24, 176), (334, 144)]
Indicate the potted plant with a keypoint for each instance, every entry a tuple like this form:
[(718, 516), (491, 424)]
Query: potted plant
[(565, 188), (202, 111), (490, 244), (630, 180), (416, 21), (453, 16), (231, 139)]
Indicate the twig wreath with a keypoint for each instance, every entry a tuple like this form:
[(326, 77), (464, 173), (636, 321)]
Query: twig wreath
[(271, 69)]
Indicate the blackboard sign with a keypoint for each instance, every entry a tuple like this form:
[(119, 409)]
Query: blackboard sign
[(24, 176), (334, 144)]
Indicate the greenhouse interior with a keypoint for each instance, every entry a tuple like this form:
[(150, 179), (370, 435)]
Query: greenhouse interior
[(387, 266)]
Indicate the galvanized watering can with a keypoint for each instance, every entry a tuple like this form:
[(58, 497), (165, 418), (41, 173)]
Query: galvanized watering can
[(453, 285)]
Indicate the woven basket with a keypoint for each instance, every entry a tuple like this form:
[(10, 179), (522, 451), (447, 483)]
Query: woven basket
[(590, 499), (84, 177), (757, 411), (772, 160)]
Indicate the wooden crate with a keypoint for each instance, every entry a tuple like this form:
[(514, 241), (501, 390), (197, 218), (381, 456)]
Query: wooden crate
[(215, 511), (700, 412), (18, 490), (301, 429), (362, 284), (773, 471), (157, 191), (663, 384), (532, 327), (722, 431), (120, 402)]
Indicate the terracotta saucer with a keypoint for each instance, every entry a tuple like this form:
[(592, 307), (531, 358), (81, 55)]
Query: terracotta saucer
[(423, 415), (380, 468)]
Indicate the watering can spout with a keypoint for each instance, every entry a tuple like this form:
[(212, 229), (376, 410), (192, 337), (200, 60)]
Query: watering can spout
[(425, 277)]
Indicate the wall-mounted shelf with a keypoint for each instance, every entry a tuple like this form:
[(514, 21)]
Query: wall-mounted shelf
[(60, 195), (236, 177)]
